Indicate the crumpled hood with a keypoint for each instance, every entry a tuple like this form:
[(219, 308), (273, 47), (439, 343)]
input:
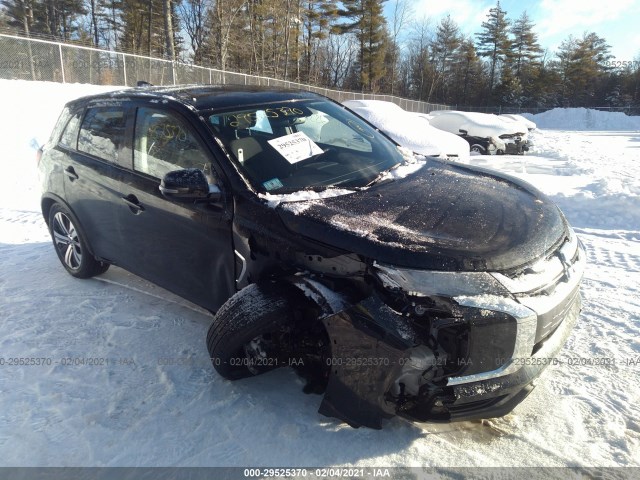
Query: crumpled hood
[(445, 216)]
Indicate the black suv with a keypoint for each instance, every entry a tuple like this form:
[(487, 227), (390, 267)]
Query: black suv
[(394, 284)]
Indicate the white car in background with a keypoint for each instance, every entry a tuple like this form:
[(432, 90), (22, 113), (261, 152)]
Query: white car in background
[(411, 130), (485, 133)]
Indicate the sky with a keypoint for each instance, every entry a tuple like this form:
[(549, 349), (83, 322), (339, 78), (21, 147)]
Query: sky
[(617, 21)]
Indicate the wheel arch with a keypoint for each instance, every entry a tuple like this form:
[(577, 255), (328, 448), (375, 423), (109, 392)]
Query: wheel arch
[(46, 204)]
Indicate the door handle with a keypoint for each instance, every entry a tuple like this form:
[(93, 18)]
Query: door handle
[(71, 173), (134, 205)]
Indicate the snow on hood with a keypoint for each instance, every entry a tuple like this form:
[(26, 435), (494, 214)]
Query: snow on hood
[(273, 200), (518, 118), (446, 216), (410, 130), (475, 124)]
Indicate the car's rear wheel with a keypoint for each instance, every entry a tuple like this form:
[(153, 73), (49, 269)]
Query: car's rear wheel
[(71, 245), (255, 331), (478, 149)]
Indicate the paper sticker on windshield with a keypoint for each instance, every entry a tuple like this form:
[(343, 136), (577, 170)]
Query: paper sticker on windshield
[(295, 147), (272, 184)]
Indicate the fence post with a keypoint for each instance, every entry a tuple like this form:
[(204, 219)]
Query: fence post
[(61, 62), (124, 69), (173, 71), (210, 80)]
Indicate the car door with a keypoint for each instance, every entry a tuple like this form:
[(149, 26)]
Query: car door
[(185, 248), (92, 143)]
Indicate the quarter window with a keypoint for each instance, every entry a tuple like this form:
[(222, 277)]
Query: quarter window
[(102, 132), (69, 137), (164, 142)]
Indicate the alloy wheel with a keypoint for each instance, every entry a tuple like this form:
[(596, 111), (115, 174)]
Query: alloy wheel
[(67, 241)]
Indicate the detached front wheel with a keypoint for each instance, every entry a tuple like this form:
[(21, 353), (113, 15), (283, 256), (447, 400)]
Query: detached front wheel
[(71, 244), (251, 333)]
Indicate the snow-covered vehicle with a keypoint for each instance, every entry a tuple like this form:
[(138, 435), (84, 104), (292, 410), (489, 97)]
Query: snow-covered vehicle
[(487, 134), (394, 285), (409, 129), (512, 117)]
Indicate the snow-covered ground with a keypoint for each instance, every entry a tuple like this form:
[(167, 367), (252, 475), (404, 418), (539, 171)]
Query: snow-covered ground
[(133, 409)]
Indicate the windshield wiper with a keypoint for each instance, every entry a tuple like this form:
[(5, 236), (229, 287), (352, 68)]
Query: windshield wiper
[(382, 175)]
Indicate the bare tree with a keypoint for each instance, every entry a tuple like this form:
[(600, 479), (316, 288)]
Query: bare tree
[(194, 15), (402, 11)]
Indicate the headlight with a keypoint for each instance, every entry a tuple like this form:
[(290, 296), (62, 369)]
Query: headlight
[(423, 283), (490, 310)]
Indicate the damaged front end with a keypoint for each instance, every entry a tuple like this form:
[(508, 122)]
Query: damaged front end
[(516, 144), (443, 346)]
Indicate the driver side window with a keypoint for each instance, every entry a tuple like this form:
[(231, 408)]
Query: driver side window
[(164, 142)]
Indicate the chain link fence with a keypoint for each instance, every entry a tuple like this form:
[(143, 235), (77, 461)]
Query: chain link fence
[(34, 59)]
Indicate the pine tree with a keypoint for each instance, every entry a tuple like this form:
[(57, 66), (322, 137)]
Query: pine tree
[(583, 65), (468, 73), (365, 19), (509, 90), (316, 17), (525, 48), (142, 27), (443, 50), (493, 41), (56, 18)]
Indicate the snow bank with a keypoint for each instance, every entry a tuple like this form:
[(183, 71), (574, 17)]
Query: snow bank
[(584, 119), (35, 107), (410, 130)]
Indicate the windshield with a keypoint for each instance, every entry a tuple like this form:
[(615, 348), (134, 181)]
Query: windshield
[(314, 144)]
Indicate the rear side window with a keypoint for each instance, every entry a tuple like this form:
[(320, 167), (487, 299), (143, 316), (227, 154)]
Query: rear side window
[(69, 136), (102, 132)]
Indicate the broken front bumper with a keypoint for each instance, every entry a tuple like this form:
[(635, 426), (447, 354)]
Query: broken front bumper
[(467, 357), (516, 146), (369, 353)]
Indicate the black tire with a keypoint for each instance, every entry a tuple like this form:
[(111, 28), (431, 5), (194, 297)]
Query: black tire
[(478, 149), (251, 315), (69, 242)]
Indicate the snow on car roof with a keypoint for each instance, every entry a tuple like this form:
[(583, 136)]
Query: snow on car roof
[(473, 123), (376, 104), (518, 118)]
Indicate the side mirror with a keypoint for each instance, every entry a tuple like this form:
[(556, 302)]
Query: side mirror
[(188, 185), (463, 132)]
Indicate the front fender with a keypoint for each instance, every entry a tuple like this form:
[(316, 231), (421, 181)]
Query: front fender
[(368, 345), (365, 358)]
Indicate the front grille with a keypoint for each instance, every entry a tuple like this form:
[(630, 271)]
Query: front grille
[(549, 287)]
